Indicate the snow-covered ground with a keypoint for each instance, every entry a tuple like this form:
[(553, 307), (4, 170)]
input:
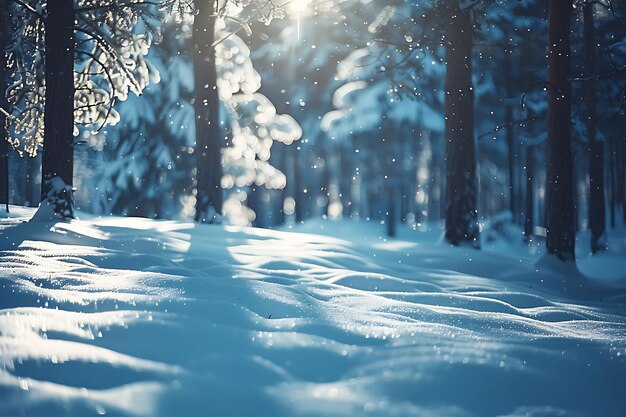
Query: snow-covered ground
[(136, 317)]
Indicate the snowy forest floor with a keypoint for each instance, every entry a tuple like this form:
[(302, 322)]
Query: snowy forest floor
[(136, 317)]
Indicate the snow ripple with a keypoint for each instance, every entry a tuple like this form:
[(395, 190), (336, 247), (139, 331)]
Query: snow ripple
[(136, 317)]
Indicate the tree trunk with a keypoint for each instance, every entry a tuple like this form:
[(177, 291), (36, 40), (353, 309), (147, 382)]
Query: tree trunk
[(33, 165), (510, 143), (511, 147), (622, 167), (58, 148), (298, 192), (597, 209), (529, 220), (560, 216), (346, 172), (284, 193), (461, 213), (391, 209), (206, 105), (326, 177), (5, 24), (620, 149), (613, 172)]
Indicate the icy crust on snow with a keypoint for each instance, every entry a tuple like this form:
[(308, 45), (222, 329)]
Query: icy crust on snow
[(135, 317)]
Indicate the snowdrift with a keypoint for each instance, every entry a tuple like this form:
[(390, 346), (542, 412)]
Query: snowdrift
[(136, 317)]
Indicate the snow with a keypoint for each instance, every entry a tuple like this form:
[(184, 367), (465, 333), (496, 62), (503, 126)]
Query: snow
[(137, 317)]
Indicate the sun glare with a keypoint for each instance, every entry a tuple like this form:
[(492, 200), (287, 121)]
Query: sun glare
[(297, 8)]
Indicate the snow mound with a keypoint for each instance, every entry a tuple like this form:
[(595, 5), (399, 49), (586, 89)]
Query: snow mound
[(136, 317)]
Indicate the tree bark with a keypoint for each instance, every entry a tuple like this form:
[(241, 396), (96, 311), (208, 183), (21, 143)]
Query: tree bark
[(612, 177), (597, 209), (620, 150), (461, 213), (33, 165), (298, 192), (511, 147), (560, 216), (326, 175), (510, 143), (58, 148), (529, 219), (206, 105), (284, 192)]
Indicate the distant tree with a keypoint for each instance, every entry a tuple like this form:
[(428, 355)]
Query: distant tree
[(609, 79), (560, 213), (383, 111), (597, 209), (529, 218)]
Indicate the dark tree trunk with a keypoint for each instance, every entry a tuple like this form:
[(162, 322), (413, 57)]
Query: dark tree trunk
[(529, 220), (326, 177), (434, 180), (511, 147), (613, 179), (5, 24), (597, 209), (620, 149), (560, 216), (391, 175), (391, 209), (33, 165), (345, 180), (510, 143), (364, 203), (622, 167), (58, 148), (206, 105), (461, 213), (284, 193), (298, 192)]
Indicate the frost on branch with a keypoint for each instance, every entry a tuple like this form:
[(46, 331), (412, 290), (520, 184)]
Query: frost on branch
[(112, 41), (253, 121)]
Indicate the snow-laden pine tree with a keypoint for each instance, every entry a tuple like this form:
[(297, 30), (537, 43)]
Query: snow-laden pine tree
[(71, 60), (403, 38), (143, 165), (146, 163), (253, 126)]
